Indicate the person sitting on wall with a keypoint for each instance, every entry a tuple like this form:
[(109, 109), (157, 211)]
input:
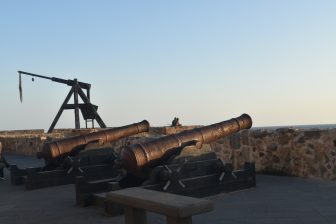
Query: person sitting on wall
[(176, 122), (3, 163)]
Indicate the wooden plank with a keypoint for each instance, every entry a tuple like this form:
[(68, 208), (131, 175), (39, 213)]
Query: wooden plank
[(160, 202)]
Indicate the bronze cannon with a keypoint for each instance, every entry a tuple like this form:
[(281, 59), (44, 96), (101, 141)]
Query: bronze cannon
[(137, 156), (65, 147)]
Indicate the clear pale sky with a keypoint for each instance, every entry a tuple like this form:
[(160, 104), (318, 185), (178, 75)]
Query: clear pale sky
[(202, 61)]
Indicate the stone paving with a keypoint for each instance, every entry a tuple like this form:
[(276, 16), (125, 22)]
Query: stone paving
[(276, 200)]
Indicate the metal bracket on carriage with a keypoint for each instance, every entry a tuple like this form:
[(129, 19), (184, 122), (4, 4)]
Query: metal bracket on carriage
[(225, 169), (74, 163), (172, 176)]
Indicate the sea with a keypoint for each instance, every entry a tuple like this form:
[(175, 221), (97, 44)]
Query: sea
[(302, 127)]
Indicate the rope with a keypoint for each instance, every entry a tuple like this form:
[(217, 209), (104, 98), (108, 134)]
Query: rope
[(20, 87)]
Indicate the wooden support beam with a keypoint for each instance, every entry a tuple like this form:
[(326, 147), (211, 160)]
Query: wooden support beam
[(87, 100), (76, 88), (60, 111)]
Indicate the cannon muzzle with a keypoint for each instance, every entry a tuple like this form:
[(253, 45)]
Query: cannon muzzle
[(138, 156), (62, 148)]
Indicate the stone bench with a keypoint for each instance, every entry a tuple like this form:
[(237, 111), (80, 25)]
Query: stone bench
[(178, 209)]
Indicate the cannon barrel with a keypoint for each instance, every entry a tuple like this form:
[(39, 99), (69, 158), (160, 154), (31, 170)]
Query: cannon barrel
[(61, 148), (138, 156)]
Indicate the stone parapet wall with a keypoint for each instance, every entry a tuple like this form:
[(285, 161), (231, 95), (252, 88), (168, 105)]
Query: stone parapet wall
[(24, 145), (22, 132), (28, 142), (286, 151)]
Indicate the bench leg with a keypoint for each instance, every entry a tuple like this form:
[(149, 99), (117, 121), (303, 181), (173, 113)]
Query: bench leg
[(174, 220), (135, 216)]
